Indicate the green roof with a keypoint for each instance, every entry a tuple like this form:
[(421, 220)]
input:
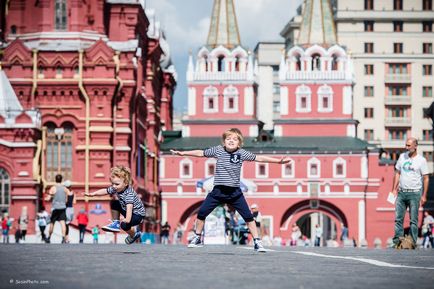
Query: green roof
[(276, 145)]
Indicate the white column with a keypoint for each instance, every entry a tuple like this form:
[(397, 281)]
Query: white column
[(347, 100), (364, 168), (362, 220), (191, 101), (248, 100), (283, 100)]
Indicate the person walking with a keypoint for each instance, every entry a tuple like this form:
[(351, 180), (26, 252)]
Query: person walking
[(318, 235), (410, 186), (344, 233), (164, 234), (82, 220), (42, 218), (230, 157), (6, 224), (58, 194), (23, 222), (70, 201), (427, 230)]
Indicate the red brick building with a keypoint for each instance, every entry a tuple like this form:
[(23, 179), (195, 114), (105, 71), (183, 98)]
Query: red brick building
[(334, 177), (92, 88)]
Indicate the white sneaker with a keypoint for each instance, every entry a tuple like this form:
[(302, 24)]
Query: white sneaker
[(259, 247), (195, 242)]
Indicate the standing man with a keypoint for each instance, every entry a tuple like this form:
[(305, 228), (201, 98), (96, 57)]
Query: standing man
[(410, 186), (58, 192)]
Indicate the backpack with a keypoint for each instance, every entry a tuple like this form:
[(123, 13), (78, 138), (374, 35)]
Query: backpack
[(405, 243)]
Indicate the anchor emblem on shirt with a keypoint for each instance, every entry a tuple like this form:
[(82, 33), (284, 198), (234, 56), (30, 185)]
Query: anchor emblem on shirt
[(235, 158)]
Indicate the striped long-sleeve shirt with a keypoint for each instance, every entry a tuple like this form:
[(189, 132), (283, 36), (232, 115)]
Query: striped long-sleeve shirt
[(228, 168), (129, 196)]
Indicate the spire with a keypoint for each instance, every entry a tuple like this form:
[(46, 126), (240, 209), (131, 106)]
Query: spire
[(317, 26), (8, 99), (223, 29)]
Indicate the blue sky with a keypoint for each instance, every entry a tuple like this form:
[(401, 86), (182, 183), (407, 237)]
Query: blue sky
[(186, 25)]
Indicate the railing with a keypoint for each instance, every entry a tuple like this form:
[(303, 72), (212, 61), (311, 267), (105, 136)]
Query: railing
[(397, 99), (397, 121), (219, 76), (307, 75), (397, 78)]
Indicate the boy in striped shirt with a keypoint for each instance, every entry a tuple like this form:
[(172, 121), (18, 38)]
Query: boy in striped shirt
[(129, 204), (230, 157)]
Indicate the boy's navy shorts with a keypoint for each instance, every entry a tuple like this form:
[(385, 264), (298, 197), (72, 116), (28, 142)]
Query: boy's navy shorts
[(135, 219), (225, 195)]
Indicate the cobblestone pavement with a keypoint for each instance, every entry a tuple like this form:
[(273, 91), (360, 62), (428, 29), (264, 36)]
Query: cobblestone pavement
[(211, 267)]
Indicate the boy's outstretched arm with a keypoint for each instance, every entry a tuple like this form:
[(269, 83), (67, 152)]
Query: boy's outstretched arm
[(194, 153), (100, 192), (265, 159)]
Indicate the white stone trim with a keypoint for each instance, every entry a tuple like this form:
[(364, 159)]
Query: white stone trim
[(181, 166), (228, 92), (208, 162), (257, 170), (210, 92), (191, 101), (347, 105), (303, 91), (325, 91), (248, 100), (283, 100), (284, 175), (311, 162), (339, 161)]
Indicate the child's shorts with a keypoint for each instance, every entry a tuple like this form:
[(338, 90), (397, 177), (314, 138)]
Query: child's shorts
[(135, 219), (225, 195)]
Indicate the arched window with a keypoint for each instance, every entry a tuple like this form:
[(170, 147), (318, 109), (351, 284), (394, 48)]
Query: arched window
[(334, 62), (316, 62), (210, 100), (325, 98), (298, 63), (221, 63), (230, 99), (288, 170), (339, 168), (237, 63), (5, 190), (313, 168), (205, 62), (60, 15), (210, 166), (59, 151), (186, 169), (303, 98)]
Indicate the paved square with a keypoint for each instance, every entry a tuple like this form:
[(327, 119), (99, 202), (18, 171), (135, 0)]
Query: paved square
[(157, 266)]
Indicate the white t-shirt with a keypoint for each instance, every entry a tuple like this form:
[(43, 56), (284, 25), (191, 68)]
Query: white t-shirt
[(412, 170)]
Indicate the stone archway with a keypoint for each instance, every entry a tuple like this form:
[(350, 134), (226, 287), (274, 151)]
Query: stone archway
[(302, 208)]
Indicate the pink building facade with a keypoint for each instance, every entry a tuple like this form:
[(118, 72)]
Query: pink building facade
[(334, 178), (100, 76)]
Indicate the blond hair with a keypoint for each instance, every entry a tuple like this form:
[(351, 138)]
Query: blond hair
[(122, 173), (236, 132)]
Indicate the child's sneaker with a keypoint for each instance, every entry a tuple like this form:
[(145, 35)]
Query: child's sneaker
[(114, 226), (259, 247), (195, 242), (130, 240)]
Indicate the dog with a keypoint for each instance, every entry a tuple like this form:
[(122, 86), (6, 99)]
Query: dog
[(405, 243)]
